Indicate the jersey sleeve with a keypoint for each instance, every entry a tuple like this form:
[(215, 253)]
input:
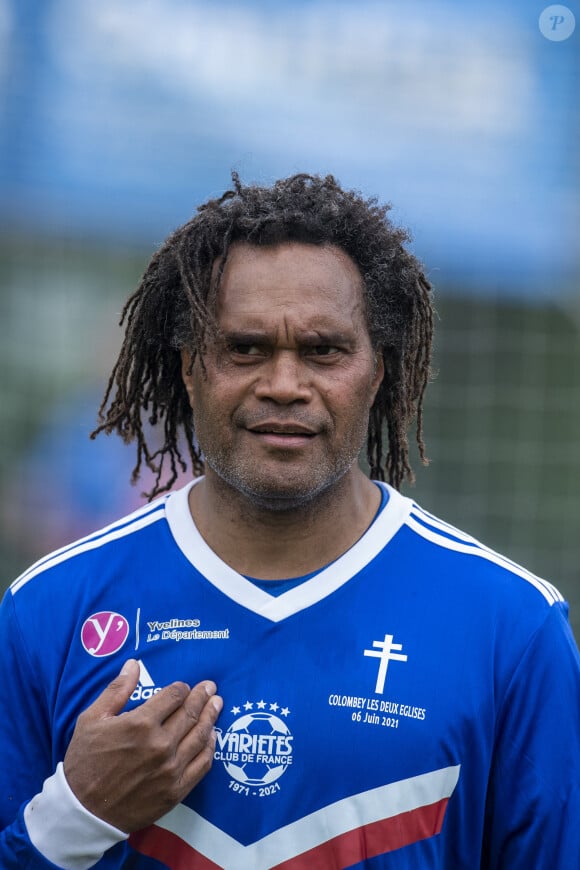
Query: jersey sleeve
[(16, 850), (533, 803), (37, 808), (25, 751)]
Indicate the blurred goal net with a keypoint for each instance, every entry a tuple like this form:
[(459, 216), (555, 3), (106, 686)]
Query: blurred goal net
[(502, 426)]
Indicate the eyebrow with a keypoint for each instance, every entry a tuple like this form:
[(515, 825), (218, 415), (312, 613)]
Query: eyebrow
[(249, 336), (310, 337)]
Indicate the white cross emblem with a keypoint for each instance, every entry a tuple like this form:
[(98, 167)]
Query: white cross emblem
[(386, 651)]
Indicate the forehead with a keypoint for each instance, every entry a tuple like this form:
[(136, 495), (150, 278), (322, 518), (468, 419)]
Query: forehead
[(316, 282)]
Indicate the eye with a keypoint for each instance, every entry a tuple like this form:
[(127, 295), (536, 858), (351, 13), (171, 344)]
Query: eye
[(246, 349), (324, 350)]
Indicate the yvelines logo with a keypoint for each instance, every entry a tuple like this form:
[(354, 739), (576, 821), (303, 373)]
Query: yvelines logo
[(104, 633), (146, 687)]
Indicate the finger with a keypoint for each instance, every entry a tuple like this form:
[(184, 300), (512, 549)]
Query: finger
[(112, 699), (198, 767), (201, 733), (188, 715), (198, 700), (196, 750), (164, 704)]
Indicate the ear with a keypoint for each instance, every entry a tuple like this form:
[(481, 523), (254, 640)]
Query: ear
[(379, 372), (187, 374)]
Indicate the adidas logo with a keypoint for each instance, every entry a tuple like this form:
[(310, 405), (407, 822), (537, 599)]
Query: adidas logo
[(146, 687)]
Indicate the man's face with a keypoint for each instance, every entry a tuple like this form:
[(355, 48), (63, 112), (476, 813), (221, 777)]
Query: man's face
[(281, 411)]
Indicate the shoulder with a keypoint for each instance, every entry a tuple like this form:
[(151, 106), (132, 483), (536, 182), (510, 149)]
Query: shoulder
[(73, 561), (87, 586), (464, 575), (464, 550)]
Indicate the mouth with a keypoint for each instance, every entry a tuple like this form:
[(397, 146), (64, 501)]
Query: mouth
[(288, 429), (287, 435)]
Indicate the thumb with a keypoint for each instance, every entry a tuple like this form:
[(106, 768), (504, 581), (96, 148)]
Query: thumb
[(114, 697)]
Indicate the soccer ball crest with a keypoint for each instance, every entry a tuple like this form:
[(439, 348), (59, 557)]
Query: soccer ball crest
[(256, 749)]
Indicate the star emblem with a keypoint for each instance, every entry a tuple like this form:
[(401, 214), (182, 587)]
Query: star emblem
[(273, 707)]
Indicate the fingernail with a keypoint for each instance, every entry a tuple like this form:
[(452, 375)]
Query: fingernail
[(217, 703), (211, 689), (127, 667)]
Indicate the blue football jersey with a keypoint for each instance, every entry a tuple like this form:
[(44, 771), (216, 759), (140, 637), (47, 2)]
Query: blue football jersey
[(415, 704)]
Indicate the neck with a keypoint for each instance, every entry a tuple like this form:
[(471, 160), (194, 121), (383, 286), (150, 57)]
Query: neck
[(273, 544)]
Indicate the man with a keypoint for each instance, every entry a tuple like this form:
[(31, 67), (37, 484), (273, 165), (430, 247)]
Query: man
[(395, 695)]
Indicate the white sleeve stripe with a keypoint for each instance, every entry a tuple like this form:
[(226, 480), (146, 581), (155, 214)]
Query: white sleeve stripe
[(84, 546), (549, 592), (436, 523), (94, 536)]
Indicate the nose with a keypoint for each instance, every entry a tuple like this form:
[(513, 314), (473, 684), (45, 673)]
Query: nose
[(284, 379)]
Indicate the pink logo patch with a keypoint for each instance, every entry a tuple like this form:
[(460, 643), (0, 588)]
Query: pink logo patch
[(104, 633)]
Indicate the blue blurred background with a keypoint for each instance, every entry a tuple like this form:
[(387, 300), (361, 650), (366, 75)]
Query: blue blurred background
[(118, 118)]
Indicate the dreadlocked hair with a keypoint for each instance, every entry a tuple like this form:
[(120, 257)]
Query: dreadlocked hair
[(173, 309)]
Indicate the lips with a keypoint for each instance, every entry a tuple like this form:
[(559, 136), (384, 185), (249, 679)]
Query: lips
[(287, 435), (289, 429)]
